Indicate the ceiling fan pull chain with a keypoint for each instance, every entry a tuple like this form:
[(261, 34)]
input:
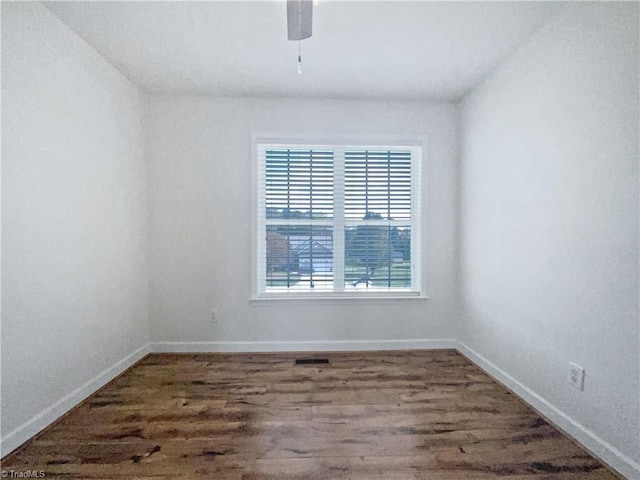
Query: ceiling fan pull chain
[(299, 23), (300, 41)]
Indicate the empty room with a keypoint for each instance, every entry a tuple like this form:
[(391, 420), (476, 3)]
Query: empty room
[(320, 239)]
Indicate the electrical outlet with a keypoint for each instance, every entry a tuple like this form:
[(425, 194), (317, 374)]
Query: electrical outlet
[(576, 376), (214, 315)]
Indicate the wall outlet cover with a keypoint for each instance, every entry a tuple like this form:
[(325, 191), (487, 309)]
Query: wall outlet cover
[(576, 376)]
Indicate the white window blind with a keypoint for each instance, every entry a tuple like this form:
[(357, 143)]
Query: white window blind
[(337, 219)]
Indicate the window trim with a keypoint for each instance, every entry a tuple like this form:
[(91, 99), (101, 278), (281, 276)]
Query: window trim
[(418, 200)]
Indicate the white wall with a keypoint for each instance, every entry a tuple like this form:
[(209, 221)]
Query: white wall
[(199, 153), (549, 219), (549, 215), (74, 250)]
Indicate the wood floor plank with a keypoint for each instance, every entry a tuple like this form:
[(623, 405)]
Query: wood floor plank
[(367, 415)]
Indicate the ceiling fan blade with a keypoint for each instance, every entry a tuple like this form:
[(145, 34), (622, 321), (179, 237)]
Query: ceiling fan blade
[(299, 19)]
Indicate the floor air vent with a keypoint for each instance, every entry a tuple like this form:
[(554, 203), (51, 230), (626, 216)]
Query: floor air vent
[(312, 361)]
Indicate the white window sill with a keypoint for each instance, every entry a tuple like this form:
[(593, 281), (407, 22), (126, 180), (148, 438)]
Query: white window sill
[(328, 298)]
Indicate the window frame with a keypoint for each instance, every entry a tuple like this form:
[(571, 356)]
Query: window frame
[(417, 145)]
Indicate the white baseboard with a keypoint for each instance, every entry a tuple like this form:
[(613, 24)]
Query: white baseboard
[(46, 417), (599, 447), (306, 346)]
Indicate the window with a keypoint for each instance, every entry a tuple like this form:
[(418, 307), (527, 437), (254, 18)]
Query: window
[(337, 219)]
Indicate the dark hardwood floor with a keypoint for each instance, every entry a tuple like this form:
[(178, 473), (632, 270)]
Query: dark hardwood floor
[(374, 415)]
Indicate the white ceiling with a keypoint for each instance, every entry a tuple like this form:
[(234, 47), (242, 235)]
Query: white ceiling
[(361, 49)]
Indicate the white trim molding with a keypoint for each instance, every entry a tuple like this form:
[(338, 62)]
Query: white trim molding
[(305, 346), (332, 162), (589, 440), (337, 299), (57, 409)]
